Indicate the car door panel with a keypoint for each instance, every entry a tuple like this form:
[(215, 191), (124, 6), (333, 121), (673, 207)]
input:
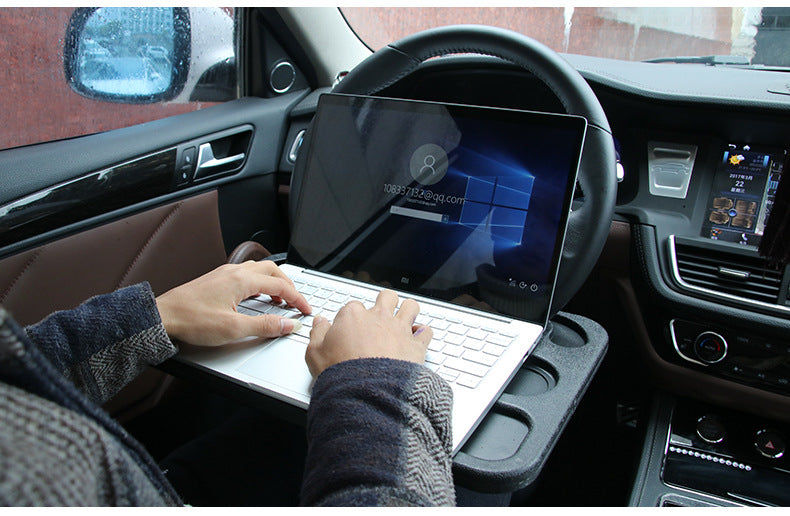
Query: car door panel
[(36, 170), (83, 246), (165, 246)]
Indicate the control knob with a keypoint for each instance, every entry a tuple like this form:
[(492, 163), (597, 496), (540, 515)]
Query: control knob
[(710, 347), (710, 429)]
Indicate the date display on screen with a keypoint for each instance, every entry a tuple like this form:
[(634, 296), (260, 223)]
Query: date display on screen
[(743, 193)]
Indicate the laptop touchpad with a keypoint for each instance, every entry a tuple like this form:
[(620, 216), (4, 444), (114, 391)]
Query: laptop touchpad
[(281, 363)]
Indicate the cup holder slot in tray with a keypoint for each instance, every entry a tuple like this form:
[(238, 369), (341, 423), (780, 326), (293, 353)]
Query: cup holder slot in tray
[(536, 376), (513, 442)]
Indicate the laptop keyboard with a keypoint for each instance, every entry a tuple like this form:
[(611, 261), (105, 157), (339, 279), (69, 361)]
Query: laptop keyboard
[(463, 348)]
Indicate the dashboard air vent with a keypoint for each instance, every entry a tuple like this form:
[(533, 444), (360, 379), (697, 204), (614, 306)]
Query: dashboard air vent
[(744, 277)]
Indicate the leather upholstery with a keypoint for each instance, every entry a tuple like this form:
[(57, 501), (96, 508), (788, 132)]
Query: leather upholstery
[(166, 246), (395, 61)]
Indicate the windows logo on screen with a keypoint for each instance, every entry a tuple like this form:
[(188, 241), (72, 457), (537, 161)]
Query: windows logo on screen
[(499, 203)]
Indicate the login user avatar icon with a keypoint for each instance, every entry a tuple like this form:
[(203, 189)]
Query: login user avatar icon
[(428, 164)]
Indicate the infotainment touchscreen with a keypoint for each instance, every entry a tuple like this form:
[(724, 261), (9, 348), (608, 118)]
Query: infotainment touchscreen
[(742, 194)]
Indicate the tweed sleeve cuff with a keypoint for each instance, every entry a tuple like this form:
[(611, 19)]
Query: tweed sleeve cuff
[(104, 343), (379, 433)]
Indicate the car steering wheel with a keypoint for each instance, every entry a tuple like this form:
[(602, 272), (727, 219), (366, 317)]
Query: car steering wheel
[(588, 226)]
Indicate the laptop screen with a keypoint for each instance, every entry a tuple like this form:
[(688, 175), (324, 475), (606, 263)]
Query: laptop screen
[(458, 203)]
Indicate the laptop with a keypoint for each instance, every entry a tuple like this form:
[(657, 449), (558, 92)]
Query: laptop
[(461, 208)]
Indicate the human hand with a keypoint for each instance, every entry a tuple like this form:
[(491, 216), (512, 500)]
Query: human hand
[(358, 332), (203, 311)]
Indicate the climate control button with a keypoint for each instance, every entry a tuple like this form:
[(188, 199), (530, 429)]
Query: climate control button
[(710, 347)]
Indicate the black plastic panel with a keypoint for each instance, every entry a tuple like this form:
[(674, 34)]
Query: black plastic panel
[(649, 490), (749, 359), (88, 196), (510, 447)]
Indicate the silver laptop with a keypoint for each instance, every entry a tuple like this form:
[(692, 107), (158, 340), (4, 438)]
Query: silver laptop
[(461, 208)]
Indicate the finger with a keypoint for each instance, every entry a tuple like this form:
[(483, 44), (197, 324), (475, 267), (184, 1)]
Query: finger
[(387, 300), (279, 289), (318, 332), (408, 311), (422, 337), (352, 306), (274, 325), (265, 325), (265, 268), (295, 299), (423, 334), (313, 356), (349, 310)]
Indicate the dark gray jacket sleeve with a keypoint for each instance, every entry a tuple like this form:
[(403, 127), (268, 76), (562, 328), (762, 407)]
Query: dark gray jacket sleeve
[(104, 343), (379, 434)]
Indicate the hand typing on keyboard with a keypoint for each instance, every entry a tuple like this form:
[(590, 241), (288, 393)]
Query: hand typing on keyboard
[(203, 311), (359, 332)]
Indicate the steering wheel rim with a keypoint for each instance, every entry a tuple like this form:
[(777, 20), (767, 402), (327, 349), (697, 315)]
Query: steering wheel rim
[(588, 226)]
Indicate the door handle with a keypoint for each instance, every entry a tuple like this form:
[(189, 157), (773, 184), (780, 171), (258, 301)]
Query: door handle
[(206, 159)]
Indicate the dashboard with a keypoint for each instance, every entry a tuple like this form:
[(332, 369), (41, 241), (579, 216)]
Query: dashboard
[(703, 151), (702, 183)]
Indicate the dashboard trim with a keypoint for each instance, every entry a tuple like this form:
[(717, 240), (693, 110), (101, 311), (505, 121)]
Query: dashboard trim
[(677, 348)]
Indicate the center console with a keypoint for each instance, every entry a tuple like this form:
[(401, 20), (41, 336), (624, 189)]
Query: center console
[(714, 312), (699, 455), (734, 353), (716, 315)]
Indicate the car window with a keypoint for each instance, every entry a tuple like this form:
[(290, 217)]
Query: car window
[(756, 35), (72, 72)]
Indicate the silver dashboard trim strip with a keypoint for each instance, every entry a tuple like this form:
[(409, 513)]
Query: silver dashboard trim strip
[(675, 345)]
